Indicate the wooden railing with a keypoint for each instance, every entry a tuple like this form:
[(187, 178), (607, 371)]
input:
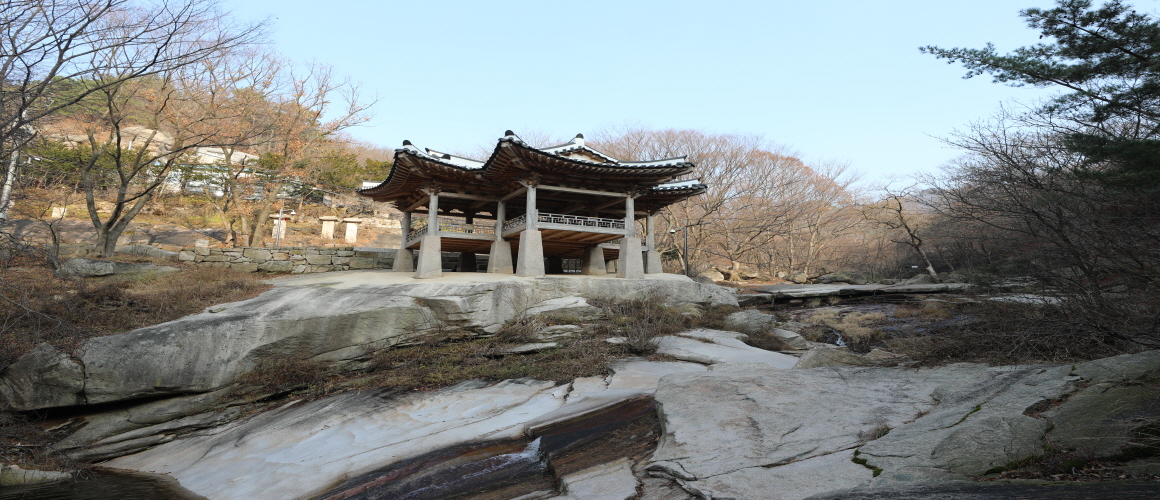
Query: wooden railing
[(581, 221), (453, 226), (578, 221)]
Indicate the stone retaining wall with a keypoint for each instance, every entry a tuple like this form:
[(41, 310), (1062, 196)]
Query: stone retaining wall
[(294, 260)]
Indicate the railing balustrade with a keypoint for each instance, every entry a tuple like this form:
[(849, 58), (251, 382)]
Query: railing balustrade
[(516, 222), (566, 220), (578, 220), (454, 226)]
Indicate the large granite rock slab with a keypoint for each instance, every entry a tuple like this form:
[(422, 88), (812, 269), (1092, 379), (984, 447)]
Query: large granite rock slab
[(336, 317), (762, 434), (303, 449), (712, 347)]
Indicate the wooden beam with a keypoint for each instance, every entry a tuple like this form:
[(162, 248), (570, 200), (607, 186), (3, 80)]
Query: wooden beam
[(621, 196), (515, 193), (446, 194), (603, 206), (422, 201)]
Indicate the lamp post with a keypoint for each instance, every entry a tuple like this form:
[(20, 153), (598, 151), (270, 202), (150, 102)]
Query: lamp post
[(278, 225)]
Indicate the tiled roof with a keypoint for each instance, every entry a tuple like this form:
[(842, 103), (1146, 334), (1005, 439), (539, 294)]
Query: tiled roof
[(513, 158)]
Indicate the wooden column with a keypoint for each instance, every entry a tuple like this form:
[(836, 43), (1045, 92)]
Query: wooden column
[(630, 217), (500, 215), (433, 214), (531, 208)]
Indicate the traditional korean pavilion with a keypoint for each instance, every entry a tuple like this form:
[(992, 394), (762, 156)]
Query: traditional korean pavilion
[(567, 201)]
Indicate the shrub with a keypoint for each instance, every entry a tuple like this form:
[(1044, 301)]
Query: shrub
[(642, 320)]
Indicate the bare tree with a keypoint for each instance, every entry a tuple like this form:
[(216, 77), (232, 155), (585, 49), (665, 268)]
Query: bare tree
[(58, 53), (900, 211), (308, 107)]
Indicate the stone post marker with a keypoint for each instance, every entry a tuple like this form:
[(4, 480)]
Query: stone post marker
[(328, 222), (279, 231), (59, 212), (352, 229)]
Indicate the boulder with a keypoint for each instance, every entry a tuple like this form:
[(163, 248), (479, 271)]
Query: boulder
[(147, 251), (750, 321), (712, 274), (15, 476), (756, 322), (43, 378), (851, 278), (753, 299), (720, 350), (88, 268), (919, 279), (798, 278), (791, 339), (822, 357)]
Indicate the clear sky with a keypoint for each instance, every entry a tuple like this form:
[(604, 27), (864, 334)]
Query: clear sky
[(833, 80)]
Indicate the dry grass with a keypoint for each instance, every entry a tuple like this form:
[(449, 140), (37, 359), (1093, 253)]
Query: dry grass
[(26, 444), (854, 327), (1006, 333), (433, 364), (768, 341), (37, 306), (927, 310), (642, 320)]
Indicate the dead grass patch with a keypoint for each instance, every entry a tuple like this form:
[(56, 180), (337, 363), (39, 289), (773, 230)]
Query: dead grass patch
[(642, 320), (26, 444), (37, 306), (768, 341), (856, 327), (1006, 333)]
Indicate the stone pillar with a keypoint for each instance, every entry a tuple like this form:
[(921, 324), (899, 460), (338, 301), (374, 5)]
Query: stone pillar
[(328, 222), (404, 257), (631, 263), (500, 258), (467, 262), (652, 258), (430, 249), (593, 263), (531, 253), (610, 266), (555, 265), (352, 230)]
